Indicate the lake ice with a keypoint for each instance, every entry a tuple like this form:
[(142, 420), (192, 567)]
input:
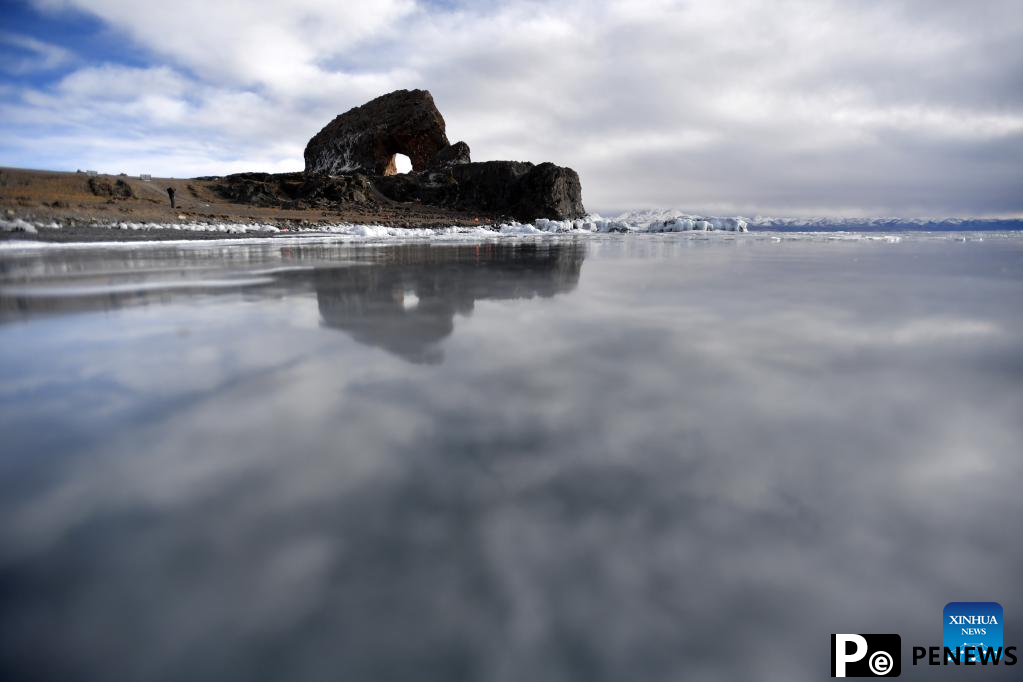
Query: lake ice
[(642, 457)]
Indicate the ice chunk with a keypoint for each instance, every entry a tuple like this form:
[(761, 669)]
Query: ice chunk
[(519, 229), (674, 221), (17, 225), (613, 226)]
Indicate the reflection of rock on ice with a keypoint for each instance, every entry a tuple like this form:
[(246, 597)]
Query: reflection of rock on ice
[(407, 305)]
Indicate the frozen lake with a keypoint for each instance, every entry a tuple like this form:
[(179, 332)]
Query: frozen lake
[(655, 457)]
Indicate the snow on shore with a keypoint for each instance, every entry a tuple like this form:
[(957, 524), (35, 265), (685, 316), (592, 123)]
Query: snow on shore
[(636, 223), (591, 224)]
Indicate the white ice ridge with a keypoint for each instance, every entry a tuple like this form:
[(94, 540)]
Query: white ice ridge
[(650, 223), (829, 224), (592, 223), (672, 220), (596, 223)]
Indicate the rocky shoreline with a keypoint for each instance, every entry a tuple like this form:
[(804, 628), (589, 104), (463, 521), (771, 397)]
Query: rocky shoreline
[(349, 178), (65, 206)]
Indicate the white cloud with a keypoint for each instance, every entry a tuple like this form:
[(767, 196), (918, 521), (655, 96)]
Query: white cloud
[(247, 42), (36, 55), (747, 106), (110, 82)]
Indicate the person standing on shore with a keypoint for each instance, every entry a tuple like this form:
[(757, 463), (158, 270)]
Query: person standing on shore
[(170, 193)]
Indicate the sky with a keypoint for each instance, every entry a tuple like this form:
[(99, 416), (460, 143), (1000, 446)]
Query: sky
[(751, 107)]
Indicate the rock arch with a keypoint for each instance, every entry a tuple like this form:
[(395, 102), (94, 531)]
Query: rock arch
[(366, 138), (360, 144)]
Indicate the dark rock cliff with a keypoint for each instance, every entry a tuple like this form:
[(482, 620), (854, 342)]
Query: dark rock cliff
[(514, 188)]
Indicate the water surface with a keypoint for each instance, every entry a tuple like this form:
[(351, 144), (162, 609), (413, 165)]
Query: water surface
[(637, 458)]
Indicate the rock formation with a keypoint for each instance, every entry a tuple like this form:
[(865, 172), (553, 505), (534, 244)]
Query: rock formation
[(513, 188), (451, 155), (102, 187), (296, 190), (366, 138), (363, 142)]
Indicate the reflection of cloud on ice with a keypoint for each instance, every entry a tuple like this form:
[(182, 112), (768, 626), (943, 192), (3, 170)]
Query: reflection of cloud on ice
[(935, 330), (705, 432)]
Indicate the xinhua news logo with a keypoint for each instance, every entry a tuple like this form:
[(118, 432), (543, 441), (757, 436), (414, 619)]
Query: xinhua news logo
[(866, 655), (974, 627)]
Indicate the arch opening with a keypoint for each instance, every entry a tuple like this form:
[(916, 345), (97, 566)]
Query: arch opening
[(401, 164)]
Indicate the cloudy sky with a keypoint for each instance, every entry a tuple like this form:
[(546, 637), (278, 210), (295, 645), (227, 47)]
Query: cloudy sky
[(792, 107)]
